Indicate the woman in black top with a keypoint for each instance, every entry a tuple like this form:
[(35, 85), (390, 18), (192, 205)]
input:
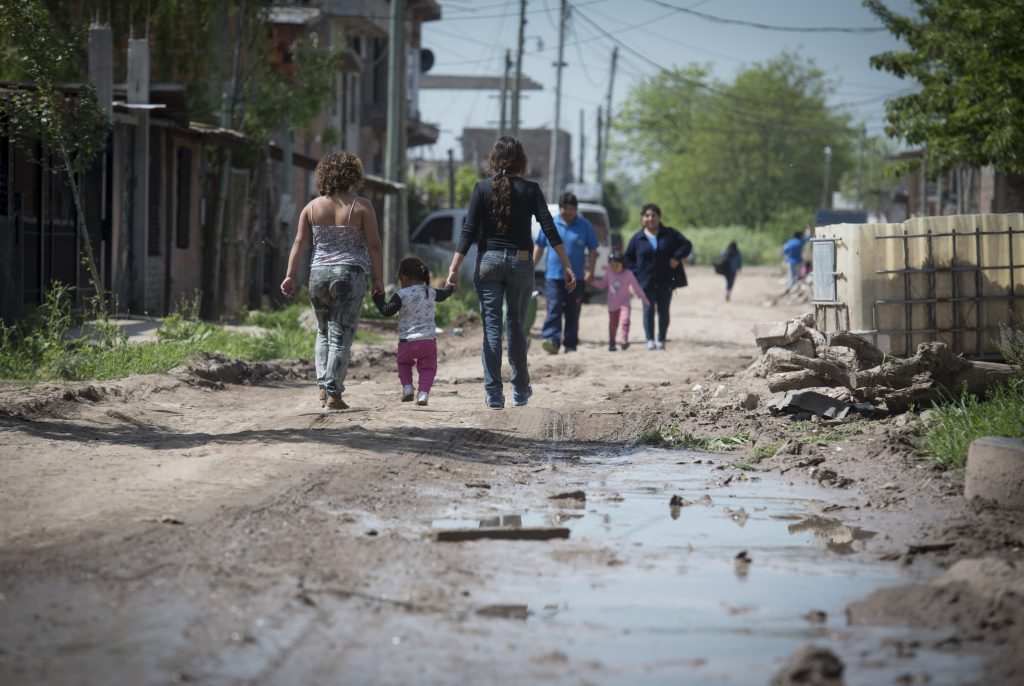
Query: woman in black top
[(499, 221)]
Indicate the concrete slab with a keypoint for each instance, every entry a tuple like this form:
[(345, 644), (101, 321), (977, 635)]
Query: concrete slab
[(995, 471)]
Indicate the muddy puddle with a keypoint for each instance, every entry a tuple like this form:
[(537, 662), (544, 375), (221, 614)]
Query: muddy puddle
[(722, 587)]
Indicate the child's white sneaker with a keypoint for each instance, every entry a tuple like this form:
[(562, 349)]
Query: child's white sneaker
[(422, 397), (407, 393)]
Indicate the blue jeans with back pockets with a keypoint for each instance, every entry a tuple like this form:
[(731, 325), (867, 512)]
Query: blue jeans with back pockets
[(502, 279)]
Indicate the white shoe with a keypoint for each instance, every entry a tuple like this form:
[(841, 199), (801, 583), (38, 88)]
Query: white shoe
[(407, 393), (660, 345), (422, 397), (650, 345)]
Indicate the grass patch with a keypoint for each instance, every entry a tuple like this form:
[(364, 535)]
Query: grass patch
[(955, 425), (38, 348), (758, 455), (756, 247), (670, 436)]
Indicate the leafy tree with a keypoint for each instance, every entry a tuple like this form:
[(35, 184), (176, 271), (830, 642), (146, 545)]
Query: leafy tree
[(879, 177), (716, 153), (71, 128), (968, 57)]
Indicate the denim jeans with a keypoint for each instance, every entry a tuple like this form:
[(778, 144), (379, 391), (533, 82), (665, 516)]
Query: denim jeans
[(336, 293), (503, 279), (660, 298), (562, 305)]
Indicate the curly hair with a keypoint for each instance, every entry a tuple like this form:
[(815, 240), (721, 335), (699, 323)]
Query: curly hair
[(413, 268), (507, 159), (337, 172)]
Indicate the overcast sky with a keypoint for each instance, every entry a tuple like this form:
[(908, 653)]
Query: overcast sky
[(471, 39)]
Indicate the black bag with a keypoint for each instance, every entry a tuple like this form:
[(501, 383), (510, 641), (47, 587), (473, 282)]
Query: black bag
[(722, 264)]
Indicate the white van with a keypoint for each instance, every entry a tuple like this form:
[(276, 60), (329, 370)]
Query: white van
[(434, 239), (598, 216)]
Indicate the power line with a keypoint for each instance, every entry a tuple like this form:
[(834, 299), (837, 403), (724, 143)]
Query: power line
[(770, 27)]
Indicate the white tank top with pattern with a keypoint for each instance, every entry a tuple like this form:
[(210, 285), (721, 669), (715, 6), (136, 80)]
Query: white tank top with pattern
[(339, 245)]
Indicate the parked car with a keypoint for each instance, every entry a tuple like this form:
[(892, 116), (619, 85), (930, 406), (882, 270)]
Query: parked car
[(598, 216), (433, 241)]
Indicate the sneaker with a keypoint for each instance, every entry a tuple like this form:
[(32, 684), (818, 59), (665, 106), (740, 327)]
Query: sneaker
[(520, 399), (624, 345), (495, 402), (422, 397), (323, 396), (550, 347), (569, 350), (611, 347), (660, 345), (407, 393), (335, 403), (650, 345)]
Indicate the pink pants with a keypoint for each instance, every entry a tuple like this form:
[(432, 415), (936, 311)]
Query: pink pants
[(617, 316), (423, 354)]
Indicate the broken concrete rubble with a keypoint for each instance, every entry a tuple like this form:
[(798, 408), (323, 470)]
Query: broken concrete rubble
[(844, 360)]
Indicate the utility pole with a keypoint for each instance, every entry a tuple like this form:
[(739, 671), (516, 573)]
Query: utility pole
[(860, 168), (395, 120), (451, 178), (554, 168), (583, 144), (608, 115), (600, 152), (519, 70), (503, 121), (828, 180)]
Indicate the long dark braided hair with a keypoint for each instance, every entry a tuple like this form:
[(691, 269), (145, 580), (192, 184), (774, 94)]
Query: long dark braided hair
[(507, 159)]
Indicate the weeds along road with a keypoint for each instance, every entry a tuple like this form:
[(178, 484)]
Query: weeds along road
[(169, 532)]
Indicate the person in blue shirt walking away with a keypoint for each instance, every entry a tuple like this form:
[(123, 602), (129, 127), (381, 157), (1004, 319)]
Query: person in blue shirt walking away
[(655, 255), (562, 324), (793, 253)]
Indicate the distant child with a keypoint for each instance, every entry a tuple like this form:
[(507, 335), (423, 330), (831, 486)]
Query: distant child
[(727, 264), (618, 280), (417, 344)]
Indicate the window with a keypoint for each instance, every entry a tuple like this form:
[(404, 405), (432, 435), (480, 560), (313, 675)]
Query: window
[(437, 230), (184, 198)]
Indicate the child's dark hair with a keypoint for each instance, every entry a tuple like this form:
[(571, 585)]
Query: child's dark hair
[(414, 268), (617, 257)]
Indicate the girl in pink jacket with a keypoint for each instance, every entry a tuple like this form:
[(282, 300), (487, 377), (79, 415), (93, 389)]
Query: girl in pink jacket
[(619, 280)]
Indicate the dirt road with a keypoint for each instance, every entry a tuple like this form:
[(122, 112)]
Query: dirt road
[(161, 529)]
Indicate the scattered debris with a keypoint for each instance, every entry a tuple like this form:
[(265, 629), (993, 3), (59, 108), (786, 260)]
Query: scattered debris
[(478, 485), (742, 562), (816, 616), (504, 611), (750, 401), (503, 533), (810, 664), (796, 356), (571, 495)]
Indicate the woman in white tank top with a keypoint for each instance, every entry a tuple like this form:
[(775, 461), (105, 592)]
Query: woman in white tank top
[(342, 228)]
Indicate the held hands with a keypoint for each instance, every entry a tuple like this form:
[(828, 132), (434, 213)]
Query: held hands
[(288, 286), (453, 277), (378, 286), (673, 262)]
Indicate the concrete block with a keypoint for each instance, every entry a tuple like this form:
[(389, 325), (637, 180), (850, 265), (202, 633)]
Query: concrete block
[(995, 471), (801, 346)]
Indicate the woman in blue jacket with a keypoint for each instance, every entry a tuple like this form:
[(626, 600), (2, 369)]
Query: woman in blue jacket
[(655, 255)]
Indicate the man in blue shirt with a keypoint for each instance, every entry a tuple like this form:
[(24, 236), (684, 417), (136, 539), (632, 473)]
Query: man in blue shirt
[(793, 252), (581, 245)]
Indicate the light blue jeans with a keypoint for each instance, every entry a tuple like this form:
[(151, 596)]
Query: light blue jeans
[(501, 278), (336, 293)]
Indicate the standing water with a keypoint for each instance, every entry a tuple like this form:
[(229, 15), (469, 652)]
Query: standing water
[(722, 587)]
